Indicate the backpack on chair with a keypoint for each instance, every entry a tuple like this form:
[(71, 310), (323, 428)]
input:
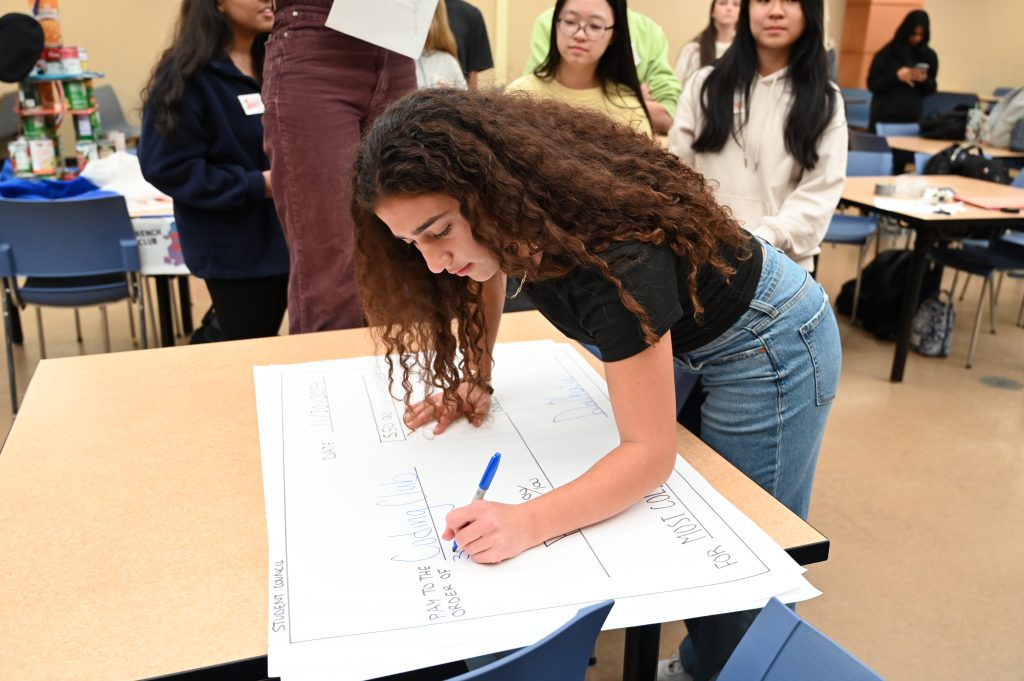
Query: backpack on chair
[(1004, 115), (967, 160)]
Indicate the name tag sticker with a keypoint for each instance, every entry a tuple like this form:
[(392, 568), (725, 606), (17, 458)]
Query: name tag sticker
[(252, 104)]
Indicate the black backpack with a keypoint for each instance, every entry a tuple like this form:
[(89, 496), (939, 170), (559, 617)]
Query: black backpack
[(967, 160), (945, 125), (882, 283)]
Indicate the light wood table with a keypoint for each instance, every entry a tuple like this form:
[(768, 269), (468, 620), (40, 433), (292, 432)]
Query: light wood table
[(931, 228), (924, 145), (131, 501)]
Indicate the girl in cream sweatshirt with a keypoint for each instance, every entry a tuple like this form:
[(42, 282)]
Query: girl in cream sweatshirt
[(768, 128)]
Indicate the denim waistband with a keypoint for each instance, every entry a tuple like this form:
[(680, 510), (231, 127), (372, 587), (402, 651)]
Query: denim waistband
[(783, 284)]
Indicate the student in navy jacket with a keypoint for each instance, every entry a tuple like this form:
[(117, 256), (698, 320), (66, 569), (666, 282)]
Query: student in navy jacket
[(202, 144)]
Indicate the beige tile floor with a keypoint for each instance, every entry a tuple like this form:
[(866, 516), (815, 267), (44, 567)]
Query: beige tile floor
[(920, 489)]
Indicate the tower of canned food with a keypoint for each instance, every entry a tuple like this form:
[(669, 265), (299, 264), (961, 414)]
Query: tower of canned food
[(58, 89)]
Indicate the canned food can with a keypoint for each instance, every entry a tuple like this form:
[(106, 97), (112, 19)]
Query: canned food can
[(20, 160), (85, 152), (83, 59), (83, 127), (96, 123), (49, 9), (52, 36), (28, 95), (43, 154), (34, 126), (77, 95), (70, 59)]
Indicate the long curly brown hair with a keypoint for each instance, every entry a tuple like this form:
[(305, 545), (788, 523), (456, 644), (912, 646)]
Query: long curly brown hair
[(530, 176)]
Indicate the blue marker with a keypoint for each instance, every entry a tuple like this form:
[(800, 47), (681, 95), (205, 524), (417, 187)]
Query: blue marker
[(485, 482)]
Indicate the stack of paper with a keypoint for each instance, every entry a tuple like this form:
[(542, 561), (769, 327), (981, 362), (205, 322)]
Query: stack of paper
[(360, 583)]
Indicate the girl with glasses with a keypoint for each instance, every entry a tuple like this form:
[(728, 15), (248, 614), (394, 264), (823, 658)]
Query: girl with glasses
[(590, 63), (767, 125), (622, 247)]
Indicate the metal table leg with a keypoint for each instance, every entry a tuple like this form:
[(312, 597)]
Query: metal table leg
[(910, 296), (641, 655), (163, 303), (185, 296)]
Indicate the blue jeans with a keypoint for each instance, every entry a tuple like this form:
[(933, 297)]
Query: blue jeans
[(769, 383)]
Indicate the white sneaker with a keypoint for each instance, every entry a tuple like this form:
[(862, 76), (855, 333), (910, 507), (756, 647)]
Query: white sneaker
[(672, 670)]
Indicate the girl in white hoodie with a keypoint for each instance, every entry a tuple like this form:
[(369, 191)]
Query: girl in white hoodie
[(767, 126)]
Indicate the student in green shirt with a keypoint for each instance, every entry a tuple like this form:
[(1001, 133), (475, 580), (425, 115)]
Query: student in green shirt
[(661, 87)]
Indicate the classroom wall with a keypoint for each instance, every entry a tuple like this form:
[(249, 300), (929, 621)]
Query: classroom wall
[(977, 41), (124, 40)]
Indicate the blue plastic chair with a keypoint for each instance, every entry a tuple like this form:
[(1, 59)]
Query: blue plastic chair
[(1005, 254), (858, 107), (111, 113), (921, 159), (857, 230), (562, 655), (898, 129), (865, 141), (941, 102), (780, 646), (67, 254), (10, 123)]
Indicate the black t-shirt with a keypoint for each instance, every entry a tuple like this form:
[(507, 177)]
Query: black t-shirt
[(467, 24), (586, 307)]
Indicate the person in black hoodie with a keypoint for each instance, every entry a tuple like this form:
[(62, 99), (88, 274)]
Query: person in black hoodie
[(202, 144), (903, 73)]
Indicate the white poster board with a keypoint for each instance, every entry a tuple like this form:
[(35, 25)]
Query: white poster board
[(397, 25), (356, 506)]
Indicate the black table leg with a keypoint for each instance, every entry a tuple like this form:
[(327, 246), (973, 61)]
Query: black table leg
[(163, 305), (185, 297), (641, 655), (910, 297)]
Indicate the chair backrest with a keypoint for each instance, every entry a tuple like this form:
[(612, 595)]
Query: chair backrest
[(66, 238), (1001, 91), (562, 654), (940, 102), (868, 163), (858, 106), (921, 159), (779, 646), (111, 113), (1019, 180), (865, 141), (902, 129)]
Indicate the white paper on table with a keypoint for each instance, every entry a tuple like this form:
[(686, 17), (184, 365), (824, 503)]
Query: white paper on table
[(355, 507), (908, 206), (397, 25)]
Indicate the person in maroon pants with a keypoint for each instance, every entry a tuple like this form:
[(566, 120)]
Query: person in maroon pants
[(321, 89)]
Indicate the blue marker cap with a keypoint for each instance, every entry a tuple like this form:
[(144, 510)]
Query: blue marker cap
[(492, 468)]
